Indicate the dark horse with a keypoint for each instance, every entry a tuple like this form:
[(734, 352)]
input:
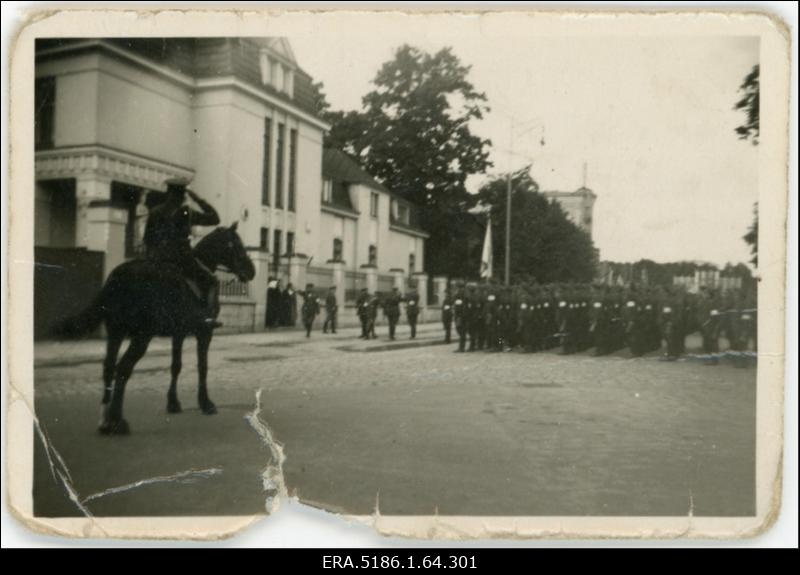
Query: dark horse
[(143, 299)]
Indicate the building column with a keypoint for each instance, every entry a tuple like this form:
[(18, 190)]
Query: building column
[(371, 274), (439, 288), (258, 287), (105, 232), (88, 189), (297, 270), (399, 279), (338, 281), (422, 291)]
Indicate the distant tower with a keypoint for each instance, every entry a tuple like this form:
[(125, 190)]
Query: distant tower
[(579, 205)]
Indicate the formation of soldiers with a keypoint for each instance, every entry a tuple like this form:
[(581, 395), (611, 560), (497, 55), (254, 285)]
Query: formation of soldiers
[(367, 306), (579, 317)]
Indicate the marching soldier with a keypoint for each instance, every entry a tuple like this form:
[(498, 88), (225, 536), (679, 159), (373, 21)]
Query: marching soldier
[(491, 322), (709, 319), (472, 316), (601, 311), (391, 309), (310, 308), (447, 314), (362, 310), (372, 315), (331, 310), (412, 311)]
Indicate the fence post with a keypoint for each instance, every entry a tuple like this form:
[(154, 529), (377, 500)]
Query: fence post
[(371, 274), (422, 290), (337, 268)]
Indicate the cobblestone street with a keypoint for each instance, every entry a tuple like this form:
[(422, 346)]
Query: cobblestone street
[(411, 427)]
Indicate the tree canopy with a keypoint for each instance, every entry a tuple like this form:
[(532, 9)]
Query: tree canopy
[(545, 244), (749, 103), (751, 237), (413, 135)]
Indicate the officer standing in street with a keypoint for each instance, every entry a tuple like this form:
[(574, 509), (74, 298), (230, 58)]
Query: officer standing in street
[(412, 311), (391, 309), (447, 314), (372, 315), (362, 310), (331, 310), (310, 308)]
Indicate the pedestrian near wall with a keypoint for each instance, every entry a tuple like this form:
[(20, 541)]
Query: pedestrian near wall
[(310, 308), (362, 310), (331, 310), (391, 309), (412, 311), (447, 314)]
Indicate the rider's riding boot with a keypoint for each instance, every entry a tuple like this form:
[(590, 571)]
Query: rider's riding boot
[(213, 308)]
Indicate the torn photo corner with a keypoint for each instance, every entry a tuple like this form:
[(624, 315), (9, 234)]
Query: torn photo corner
[(452, 275)]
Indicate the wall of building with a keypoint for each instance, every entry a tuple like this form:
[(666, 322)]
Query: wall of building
[(142, 113), (76, 117)]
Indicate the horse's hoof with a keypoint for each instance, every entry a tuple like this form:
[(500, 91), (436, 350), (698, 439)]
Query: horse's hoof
[(209, 408), (174, 407), (120, 427)]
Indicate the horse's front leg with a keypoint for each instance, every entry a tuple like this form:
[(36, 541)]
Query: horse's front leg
[(203, 342), (173, 405), (113, 422)]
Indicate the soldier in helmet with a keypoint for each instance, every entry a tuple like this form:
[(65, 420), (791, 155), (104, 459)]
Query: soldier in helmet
[(391, 309), (310, 308), (167, 239), (447, 314), (412, 311), (362, 310)]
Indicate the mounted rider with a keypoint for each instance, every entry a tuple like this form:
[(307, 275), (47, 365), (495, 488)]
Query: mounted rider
[(166, 239)]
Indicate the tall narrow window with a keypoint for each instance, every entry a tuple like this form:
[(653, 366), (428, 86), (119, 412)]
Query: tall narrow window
[(373, 204), (412, 264), (264, 239), (373, 255), (292, 168), (327, 191), (267, 154), (289, 243), (44, 112), (337, 250), (279, 167)]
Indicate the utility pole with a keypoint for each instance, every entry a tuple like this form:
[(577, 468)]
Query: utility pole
[(532, 125)]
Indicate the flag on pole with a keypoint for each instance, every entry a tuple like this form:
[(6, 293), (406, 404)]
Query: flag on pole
[(486, 256)]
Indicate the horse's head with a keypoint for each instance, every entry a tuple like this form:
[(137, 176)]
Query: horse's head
[(224, 247)]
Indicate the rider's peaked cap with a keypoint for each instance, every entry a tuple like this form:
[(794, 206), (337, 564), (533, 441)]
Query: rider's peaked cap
[(177, 184)]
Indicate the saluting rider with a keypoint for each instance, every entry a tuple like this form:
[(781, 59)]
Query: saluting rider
[(167, 240)]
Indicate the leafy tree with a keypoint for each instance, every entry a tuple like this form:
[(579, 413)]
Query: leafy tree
[(750, 130), (545, 244), (750, 105), (751, 237), (413, 136)]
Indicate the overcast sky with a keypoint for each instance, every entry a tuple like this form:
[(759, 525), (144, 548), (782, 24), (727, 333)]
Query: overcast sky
[(651, 116)]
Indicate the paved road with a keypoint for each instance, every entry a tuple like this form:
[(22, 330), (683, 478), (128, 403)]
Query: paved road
[(410, 425)]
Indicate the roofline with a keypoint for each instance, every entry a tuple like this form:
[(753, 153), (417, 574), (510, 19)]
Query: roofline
[(187, 81)]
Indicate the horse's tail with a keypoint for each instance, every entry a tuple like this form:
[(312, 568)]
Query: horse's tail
[(84, 323)]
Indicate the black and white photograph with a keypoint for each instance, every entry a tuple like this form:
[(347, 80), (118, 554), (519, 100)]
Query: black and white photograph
[(452, 275)]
